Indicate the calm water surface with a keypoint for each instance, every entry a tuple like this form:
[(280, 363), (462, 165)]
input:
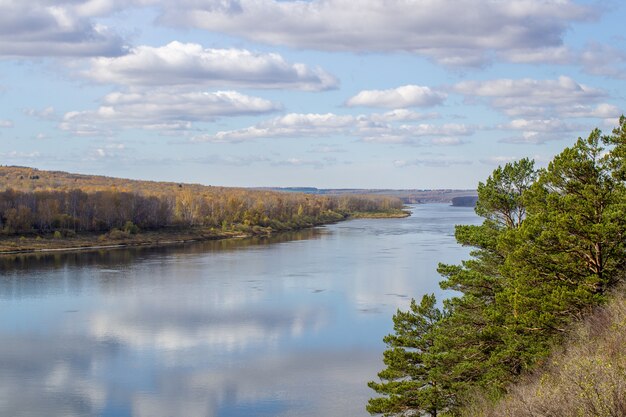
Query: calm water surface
[(287, 326)]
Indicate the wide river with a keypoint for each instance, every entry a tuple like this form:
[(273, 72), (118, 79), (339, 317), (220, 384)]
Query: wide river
[(285, 326)]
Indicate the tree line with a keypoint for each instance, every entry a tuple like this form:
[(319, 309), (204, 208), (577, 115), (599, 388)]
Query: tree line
[(550, 248), (102, 210)]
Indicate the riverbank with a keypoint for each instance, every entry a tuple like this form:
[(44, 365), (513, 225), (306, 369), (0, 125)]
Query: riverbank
[(396, 214), (150, 238)]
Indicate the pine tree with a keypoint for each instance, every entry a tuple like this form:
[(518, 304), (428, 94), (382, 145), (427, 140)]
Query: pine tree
[(571, 249), (475, 329), (408, 384), (552, 244)]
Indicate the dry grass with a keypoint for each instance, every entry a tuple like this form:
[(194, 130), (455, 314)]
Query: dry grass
[(586, 377)]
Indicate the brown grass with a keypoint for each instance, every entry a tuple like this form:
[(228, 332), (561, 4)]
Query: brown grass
[(585, 377)]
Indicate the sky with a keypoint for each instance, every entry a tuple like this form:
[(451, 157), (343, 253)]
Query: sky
[(323, 93)]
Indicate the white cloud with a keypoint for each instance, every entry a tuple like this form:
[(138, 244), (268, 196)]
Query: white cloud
[(6, 123), (326, 149), (18, 155), (601, 111), (401, 115), (290, 125), (233, 160), (398, 98), (189, 64), (552, 55), (115, 151), (299, 162), (447, 141), (539, 125), (533, 137), (44, 28), (45, 114), (604, 60), (445, 134), (369, 128), (452, 32), (530, 97), (162, 110), (498, 160), (595, 58), (542, 110), (538, 131), (434, 162)]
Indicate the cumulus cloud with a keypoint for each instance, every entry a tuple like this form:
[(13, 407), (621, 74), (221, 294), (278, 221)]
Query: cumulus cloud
[(398, 98), (604, 60), (531, 137), (595, 58), (530, 97), (290, 125), (44, 28), (6, 123), (542, 110), (539, 125), (369, 128), (432, 28), (47, 113), (115, 151), (162, 110), (401, 115), (550, 55), (408, 133), (601, 111), (189, 64), (539, 131)]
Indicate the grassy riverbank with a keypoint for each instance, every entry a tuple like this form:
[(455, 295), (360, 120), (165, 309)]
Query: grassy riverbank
[(28, 243)]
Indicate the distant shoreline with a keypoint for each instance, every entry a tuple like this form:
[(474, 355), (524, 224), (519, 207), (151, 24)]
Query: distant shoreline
[(17, 245)]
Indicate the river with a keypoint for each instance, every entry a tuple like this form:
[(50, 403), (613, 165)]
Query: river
[(285, 326)]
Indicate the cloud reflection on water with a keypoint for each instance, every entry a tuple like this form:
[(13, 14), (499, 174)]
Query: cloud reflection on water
[(215, 329)]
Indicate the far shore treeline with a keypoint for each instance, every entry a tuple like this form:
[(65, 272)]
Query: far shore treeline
[(549, 253), (47, 202)]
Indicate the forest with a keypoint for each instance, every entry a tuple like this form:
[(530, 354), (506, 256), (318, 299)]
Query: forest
[(549, 254), (45, 203)]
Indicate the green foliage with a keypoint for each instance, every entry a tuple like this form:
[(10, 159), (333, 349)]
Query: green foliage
[(409, 381), (552, 244), (586, 377), (131, 228), (500, 197)]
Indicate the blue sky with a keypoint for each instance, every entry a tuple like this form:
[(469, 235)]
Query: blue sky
[(332, 93)]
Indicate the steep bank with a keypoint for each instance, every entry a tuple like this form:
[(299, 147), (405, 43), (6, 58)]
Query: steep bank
[(586, 376)]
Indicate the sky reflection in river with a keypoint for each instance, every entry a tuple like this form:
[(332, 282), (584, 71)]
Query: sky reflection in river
[(290, 325)]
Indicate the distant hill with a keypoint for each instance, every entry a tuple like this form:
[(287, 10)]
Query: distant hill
[(411, 196), (32, 179), (43, 210)]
